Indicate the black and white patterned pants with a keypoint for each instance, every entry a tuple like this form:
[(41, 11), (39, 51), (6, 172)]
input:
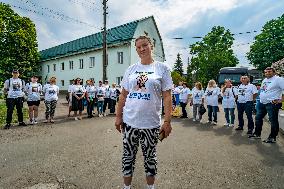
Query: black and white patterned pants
[(148, 138), (50, 108)]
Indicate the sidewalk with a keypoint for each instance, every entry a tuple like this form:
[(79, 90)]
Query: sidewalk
[(281, 120)]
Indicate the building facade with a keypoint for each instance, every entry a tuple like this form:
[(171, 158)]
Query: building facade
[(83, 57)]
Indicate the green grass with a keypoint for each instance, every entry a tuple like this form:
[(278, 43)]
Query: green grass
[(3, 111)]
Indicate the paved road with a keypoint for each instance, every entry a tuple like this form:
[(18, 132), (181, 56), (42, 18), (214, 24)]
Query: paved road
[(87, 154)]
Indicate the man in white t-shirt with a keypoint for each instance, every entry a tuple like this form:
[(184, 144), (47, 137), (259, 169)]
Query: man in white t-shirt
[(183, 99), (271, 97), (14, 89), (247, 93)]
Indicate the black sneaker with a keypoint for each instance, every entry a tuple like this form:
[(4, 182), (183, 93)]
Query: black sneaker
[(270, 140), (22, 124), (254, 136), (239, 129), (7, 126), (249, 132)]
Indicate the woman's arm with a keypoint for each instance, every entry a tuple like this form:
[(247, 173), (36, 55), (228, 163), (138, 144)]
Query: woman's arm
[(119, 111), (167, 99)]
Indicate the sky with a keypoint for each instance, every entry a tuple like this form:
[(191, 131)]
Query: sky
[(60, 21)]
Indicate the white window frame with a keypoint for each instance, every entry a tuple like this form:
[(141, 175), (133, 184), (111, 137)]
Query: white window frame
[(62, 65), (71, 65), (48, 68), (120, 57), (92, 62), (81, 63), (54, 67), (62, 83)]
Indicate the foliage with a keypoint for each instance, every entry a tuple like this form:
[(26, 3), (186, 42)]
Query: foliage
[(178, 67), (211, 54), (3, 111), (268, 46), (177, 77), (189, 75), (18, 44)]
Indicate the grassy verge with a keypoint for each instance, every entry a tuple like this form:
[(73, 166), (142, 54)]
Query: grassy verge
[(3, 111)]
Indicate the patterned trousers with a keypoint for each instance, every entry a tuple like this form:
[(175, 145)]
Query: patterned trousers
[(148, 138), (50, 108)]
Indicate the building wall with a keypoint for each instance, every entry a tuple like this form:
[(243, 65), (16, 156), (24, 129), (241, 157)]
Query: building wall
[(114, 69)]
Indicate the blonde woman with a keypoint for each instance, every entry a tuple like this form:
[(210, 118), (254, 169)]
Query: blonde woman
[(139, 111), (51, 92), (211, 94), (197, 100)]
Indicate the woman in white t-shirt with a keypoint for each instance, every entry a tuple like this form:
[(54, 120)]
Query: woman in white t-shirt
[(183, 99), (211, 95), (91, 92), (143, 87), (51, 92), (78, 93), (229, 102), (197, 100), (113, 98)]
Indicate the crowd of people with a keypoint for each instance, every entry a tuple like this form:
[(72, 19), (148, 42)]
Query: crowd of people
[(79, 96), (265, 98), (145, 85)]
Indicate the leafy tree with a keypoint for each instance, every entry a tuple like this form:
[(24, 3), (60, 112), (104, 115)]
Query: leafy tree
[(178, 67), (211, 54), (189, 75), (18, 44), (268, 46), (177, 77)]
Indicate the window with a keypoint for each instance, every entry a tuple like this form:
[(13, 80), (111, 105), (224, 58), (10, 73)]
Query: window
[(62, 83), (54, 67), (62, 66), (48, 69), (118, 80), (71, 65), (120, 57), (92, 62), (81, 61)]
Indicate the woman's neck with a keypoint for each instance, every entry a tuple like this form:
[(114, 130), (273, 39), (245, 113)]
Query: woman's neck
[(147, 61)]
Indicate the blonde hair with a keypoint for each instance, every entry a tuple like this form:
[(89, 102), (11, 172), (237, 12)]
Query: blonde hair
[(144, 37), (198, 85), (211, 83)]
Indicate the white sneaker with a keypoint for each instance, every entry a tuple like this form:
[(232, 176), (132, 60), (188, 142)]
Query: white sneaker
[(31, 122), (231, 125), (226, 124), (208, 122), (100, 115), (214, 123), (35, 121), (193, 119), (105, 114), (76, 119)]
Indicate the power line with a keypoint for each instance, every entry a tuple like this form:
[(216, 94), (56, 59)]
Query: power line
[(85, 5)]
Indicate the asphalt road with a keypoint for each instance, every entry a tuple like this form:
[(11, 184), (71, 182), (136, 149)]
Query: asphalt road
[(87, 154)]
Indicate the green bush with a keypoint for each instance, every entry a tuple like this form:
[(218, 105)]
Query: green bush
[(3, 111)]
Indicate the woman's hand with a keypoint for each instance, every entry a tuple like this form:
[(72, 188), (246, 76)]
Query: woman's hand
[(119, 124), (166, 128)]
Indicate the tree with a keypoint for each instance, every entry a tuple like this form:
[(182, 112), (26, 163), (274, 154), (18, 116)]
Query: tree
[(268, 46), (178, 67), (211, 54), (18, 44), (189, 74), (177, 77)]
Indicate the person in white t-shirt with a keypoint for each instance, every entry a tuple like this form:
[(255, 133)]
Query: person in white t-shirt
[(70, 97), (107, 97), (139, 111), (183, 99), (78, 93), (113, 98), (229, 102), (33, 89), (176, 92), (51, 92), (197, 100), (14, 89), (246, 95), (91, 92), (211, 95), (271, 98), (101, 92)]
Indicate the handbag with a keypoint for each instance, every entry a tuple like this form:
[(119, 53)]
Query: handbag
[(202, 109), (177, 111)]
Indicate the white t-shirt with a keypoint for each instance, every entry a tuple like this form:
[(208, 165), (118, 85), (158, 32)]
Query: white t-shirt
[(78, 89), (107, 91), (183, 95), (33, 90), (271, 89), (176, 91), (113, 93), (51, 92), (211, 95), (197, 96), (15, 89), (145, 84), (229, 97), (246, 92), (101, 93), (91, 90)]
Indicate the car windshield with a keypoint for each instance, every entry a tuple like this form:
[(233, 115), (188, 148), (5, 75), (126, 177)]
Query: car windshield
[(233, 77)]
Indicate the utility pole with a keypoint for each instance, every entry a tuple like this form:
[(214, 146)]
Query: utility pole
[(104, 42)]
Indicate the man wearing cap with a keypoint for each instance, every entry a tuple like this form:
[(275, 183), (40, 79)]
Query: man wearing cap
[(14, 89), (33, 89), (271, 97), (107, 97)]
